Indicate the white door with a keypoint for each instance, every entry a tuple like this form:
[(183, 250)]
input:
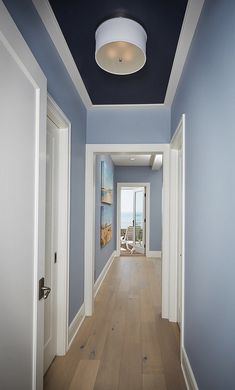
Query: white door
[(22, 209), (179, 241), (50, 317), (139, 220)]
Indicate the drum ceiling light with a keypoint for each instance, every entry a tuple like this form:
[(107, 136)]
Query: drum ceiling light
[(120, 46)]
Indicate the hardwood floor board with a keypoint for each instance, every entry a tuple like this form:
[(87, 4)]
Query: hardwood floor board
[(85, 375), (125, 345), (154, 382)]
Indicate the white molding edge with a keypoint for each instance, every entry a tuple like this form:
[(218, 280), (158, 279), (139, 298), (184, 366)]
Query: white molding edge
[(192, 14), (147, 212), (50, 22), (91, 151), (157, 254), (189, 25), (103, 273), (188, 372), (76, 324)]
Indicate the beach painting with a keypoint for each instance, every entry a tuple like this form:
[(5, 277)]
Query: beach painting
[(106, 225), (106, 183)]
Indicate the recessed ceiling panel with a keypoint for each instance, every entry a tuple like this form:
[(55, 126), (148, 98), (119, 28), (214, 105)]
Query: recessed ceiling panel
[(162, 21)]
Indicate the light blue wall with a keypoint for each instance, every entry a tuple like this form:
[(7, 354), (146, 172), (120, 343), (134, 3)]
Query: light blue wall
[(63, 91), (147, 175), (103, 254), (128, 125), (207, 95)]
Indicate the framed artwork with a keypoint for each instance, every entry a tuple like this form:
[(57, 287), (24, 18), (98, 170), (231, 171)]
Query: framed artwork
[(105, 225), (106, 183)]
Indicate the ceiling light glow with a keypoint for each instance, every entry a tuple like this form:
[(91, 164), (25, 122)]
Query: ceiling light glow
[(120, 46)]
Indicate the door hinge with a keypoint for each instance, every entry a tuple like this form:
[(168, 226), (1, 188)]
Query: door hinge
[(55, 257), (144, 246), (145, 220)]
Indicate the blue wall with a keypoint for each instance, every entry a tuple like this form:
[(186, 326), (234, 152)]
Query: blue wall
[(207, 96), (129, 125), (63, 91), (103, 254), (147, 175)]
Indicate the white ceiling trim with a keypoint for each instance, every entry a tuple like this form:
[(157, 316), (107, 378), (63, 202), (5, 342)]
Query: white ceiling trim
[(192, 14), (48, 18), (191, 18)]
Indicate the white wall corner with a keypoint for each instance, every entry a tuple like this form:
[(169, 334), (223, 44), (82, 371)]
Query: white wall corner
[(76, 324), (103, 273), (188, 372)]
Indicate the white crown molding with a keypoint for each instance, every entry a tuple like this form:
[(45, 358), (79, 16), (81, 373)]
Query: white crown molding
[(48, 18), (189, 25), (192, 14)]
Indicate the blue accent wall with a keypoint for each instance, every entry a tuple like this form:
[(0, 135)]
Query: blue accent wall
[(102, 255), (129, 125), (206, 95), (147, 175), (62, 90)]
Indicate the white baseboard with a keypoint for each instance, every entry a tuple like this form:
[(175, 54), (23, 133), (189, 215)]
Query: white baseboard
[(154, 254), (188, 372), (75, 324), (103, 273)]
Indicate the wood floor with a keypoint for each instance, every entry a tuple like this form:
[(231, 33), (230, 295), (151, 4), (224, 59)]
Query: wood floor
[(125, 345)]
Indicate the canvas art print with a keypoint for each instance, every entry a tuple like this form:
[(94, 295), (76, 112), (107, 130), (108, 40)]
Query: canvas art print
[(106, 225), (106, 183)]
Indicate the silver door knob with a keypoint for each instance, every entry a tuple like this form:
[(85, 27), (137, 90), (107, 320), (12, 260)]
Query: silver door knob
[(46, 291)]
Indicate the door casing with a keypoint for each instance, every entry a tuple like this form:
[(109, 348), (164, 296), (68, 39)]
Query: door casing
[(56, 115), (177, 144), (91, 151)]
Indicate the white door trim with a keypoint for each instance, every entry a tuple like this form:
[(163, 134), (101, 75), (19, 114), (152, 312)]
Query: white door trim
[(91, 151), (177, 143), (57, 116), (147, 213)]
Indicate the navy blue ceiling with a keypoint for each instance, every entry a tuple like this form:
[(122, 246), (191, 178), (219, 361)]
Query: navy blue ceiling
[(162, 20)]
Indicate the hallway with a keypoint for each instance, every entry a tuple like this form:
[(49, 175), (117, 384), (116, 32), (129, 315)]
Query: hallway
[(125, 345)]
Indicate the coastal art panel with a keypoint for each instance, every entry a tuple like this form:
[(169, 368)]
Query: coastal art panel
[(106, 225), (106, 183)]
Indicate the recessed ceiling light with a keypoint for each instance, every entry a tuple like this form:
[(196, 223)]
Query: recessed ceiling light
[(132, 158), (120, 46)]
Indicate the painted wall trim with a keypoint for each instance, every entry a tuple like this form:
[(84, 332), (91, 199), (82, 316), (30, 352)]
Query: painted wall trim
[(48, 18), (91, 151), (157, 254), (191, 17), (192, 14), (103, 273), (76, 324), (188, 372), (147, 212)]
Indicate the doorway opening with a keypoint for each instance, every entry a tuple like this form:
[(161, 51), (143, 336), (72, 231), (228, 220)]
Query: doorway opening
[(132, 221)]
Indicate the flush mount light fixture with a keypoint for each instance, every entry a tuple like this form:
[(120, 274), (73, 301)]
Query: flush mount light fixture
[(132, 158), (120, 46)]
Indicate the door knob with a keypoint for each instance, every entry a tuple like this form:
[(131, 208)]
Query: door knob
[(46, 291), (43, 290)]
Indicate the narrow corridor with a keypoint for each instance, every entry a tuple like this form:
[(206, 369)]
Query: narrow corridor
[(125, 345)]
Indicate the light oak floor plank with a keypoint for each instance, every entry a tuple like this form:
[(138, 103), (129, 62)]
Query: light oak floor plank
[(125, 345)]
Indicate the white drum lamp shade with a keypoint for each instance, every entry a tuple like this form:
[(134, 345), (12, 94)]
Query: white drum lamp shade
[(120, 46)]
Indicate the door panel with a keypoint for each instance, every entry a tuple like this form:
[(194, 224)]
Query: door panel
[(22, 250), (51, 244), (179, 266)]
